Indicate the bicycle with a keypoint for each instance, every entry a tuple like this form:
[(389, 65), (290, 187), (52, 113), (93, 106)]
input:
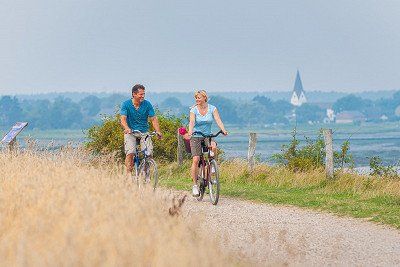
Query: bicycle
[(208, 171), (145, 168)]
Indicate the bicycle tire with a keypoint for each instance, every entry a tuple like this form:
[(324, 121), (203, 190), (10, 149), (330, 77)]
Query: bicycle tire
[(148, 172), (213, 182), (200, 183)]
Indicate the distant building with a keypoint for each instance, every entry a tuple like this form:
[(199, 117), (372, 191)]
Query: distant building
[(384, 117), (350, 117), (330, 115), (298, 96)]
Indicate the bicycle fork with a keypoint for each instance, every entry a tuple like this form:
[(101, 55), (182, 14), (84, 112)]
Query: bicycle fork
[(136, 166)]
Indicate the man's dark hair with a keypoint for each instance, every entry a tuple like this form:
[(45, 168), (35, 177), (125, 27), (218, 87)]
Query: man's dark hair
[(136, 88)]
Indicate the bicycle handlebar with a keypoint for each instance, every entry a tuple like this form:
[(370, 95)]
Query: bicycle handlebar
[(142, 134), (208, 136)]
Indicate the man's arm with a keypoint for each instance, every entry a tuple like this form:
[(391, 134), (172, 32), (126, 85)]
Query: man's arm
[(124, 124), (156, 125)]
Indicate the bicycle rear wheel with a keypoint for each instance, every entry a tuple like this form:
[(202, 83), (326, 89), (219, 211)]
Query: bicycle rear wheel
[(213, 182), (148, 173), (200, 183)]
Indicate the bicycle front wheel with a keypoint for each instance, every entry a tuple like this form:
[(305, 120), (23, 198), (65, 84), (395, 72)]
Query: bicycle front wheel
[(148, 173), (213, 182)]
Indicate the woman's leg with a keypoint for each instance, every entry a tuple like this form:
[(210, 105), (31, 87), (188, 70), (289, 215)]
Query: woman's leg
[(194, 170), (214, 147)]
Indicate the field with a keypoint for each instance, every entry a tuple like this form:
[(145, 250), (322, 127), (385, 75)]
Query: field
[(60, 209)]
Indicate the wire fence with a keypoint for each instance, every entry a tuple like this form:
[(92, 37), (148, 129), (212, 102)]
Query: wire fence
[(363, 144)]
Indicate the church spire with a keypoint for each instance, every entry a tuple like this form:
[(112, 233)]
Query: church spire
[(298, 95), (298, 86)]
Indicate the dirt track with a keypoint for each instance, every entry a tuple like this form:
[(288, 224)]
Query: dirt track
[(279, 235)]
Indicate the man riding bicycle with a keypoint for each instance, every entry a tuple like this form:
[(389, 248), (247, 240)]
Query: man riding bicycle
[(135, 114)]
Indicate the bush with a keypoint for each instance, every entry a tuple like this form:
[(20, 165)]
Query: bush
[(108, 138), (166, 148), (312, 155), (378, 169)]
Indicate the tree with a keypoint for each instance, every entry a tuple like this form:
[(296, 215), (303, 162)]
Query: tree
[(173, 106), (226, 108), (10, 111), (252, 113), (350, 102), (65, 114), (263, 100), (274, 112), (114, 100), (308, 112), (90, 105), (37, 113)]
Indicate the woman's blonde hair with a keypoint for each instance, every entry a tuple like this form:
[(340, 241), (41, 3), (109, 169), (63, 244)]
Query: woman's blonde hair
[(202, 93)]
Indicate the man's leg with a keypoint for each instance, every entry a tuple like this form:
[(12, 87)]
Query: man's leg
[(130, 146), (129, 163)]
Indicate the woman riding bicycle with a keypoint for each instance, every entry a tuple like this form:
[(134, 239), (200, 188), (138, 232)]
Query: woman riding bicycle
[(202, 116)]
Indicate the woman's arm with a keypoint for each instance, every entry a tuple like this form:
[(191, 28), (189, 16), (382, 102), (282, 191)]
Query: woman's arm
[(218, 120), (192, 119)]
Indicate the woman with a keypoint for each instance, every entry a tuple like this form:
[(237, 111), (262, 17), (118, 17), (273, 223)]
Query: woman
[(201, 118)]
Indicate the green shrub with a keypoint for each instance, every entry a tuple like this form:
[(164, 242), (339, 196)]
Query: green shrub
[(311, 155), (343, 158), (377, 168), (166, 148), (108, 138)]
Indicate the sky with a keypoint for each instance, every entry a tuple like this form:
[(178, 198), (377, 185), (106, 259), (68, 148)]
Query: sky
[(107, 46)]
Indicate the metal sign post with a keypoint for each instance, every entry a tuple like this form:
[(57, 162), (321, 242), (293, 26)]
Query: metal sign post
[(11, 137)]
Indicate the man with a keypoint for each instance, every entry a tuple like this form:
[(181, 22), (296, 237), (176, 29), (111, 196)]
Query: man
[(135, 114)]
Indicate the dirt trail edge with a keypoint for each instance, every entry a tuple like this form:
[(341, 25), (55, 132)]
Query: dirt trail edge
[(281, 235)]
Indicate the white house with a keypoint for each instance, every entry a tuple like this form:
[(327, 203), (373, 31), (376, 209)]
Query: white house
[(298, 96)]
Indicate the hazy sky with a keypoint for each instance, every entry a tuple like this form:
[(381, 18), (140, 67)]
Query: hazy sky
[(68, 45)]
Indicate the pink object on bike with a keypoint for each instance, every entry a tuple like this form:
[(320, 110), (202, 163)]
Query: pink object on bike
[(182, 130)]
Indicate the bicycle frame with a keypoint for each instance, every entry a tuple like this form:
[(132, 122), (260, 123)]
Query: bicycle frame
[(206, 163), (136, 156)]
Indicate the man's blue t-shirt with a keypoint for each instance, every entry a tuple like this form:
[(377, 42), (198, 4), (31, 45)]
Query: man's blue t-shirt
[(137, 118)]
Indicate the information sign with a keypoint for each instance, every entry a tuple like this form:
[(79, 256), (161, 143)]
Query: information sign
[(15, 130)]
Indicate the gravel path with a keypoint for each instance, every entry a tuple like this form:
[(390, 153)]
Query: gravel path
[(279, 235)]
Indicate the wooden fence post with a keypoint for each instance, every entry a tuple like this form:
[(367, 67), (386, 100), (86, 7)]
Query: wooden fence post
[(252, 150), (11, 145), (329, 153), (179, 152)]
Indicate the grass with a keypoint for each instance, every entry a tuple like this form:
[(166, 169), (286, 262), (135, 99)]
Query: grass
[(372, 198), (61, 209)]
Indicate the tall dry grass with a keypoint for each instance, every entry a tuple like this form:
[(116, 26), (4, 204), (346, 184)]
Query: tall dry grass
[(58, 209)]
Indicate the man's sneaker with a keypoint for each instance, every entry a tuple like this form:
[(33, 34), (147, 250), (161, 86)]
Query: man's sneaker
[(195, 191)]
